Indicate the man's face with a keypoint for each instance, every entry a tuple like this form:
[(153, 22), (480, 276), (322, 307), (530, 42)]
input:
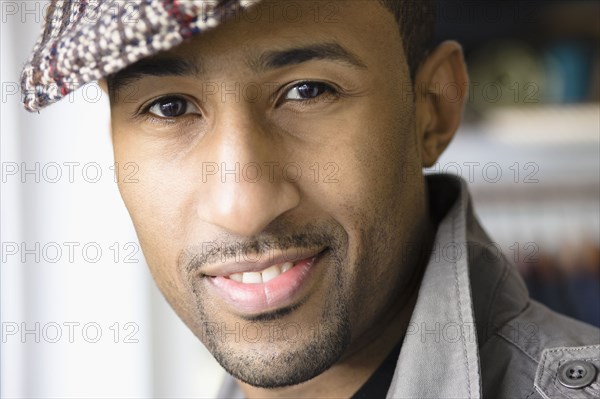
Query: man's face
[(282, 137)]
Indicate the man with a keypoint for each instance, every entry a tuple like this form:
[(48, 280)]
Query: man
[(281, 199)]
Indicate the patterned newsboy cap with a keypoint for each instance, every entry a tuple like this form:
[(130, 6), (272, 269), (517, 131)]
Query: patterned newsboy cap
[(85, 40)]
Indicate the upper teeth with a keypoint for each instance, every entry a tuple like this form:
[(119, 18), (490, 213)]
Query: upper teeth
[(262, 277)]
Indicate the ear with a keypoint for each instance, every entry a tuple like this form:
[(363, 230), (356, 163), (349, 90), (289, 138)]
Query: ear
[(441, 87)]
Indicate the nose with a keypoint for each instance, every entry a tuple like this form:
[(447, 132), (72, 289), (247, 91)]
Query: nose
[(244, 188)]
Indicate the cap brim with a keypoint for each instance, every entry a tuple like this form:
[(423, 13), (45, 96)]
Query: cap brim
[(83, 41)]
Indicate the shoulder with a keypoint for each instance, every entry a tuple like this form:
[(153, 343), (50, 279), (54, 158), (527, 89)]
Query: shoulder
[(541, 354)]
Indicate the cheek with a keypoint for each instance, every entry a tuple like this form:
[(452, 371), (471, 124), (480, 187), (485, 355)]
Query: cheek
[(373, 162), (378, 199), (157, 204), (155, 199)]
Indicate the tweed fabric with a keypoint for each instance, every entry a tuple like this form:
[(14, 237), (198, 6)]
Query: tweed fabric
[(85, 40)]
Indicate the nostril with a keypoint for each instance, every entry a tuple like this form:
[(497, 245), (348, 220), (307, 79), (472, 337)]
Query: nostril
[(245, 209)]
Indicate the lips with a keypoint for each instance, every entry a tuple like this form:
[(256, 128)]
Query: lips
[(258, 288)]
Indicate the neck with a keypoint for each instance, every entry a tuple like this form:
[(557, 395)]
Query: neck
[(367, 353)]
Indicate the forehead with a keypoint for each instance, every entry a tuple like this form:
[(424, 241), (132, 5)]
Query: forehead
[(274, 35), (364, 26)]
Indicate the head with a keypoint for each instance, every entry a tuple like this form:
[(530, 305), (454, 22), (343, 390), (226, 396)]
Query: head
[(279, 136)]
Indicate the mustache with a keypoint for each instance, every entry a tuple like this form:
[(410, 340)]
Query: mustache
[(194, 258)]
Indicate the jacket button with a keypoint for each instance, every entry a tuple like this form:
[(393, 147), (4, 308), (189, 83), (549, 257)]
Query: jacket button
[(576, 374)]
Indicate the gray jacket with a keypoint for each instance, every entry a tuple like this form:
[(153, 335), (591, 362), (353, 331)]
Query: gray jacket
[(475, 332)]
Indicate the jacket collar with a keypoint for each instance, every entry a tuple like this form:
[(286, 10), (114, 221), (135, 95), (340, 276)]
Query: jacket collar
[(439, 355), (469, 290)]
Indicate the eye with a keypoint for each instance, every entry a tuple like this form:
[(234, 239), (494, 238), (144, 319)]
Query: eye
[(172, 107), (308, 91)]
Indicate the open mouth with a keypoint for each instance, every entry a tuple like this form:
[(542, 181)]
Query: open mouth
[(263, 276), (266, 287)]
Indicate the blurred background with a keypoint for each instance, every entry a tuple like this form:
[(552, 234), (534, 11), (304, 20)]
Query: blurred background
[(80, 314), (530, 142)]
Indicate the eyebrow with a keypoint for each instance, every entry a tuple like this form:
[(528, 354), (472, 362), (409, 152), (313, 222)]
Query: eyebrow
[(161, 66), (273, 59), (322, 51)]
